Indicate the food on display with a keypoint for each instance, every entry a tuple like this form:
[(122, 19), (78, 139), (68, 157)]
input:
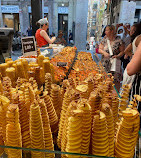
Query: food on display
[(80, 113), (46, 128), (13, 132), (100, 141), (106, 109), (56, 98), (127, 133), (123, 101), (36, 130)]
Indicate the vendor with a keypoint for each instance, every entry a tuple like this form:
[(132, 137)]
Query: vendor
[(41, 35)]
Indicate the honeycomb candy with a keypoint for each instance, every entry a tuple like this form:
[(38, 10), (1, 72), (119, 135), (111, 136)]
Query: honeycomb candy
[(86, 125), (13, 131), (25, 65), (48, 82), (3, 68), (56, 98), (68, 97), (47, 130), (46, 66), (10, 72), (40, 60), (36, 130), (1, 88), (51, 112), (20, 70), (100, 141), (110, 125), (127, 133)]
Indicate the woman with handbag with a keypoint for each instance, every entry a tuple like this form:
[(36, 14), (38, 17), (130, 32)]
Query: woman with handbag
[(112, 48)]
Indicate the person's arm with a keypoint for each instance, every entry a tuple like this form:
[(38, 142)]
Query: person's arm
[(128, 50), (101, 51), (138, 41), (135, 64), (46, 37)]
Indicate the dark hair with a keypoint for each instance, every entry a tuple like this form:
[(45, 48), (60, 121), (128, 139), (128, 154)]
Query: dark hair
[(120, 30), (137, 31)]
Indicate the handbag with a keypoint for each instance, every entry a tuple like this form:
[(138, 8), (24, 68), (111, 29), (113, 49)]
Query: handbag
[(115, 63)]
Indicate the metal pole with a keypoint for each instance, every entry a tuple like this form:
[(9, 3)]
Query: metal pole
[(36, 10)]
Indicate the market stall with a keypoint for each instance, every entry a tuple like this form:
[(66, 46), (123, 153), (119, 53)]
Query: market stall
[(64, 106)]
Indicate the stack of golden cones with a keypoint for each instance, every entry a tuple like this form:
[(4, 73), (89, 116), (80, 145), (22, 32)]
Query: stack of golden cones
[(48, 82), (56, 98), (106, 109), (13, 132), (46, 128), (100, 138), (115, 104), (68, 97), (127, 134), (24, 121), (36, 130), (4, 103), (74, 133), (51, 112), (72, 106), (123, 102), (95, 102), (86, 125)]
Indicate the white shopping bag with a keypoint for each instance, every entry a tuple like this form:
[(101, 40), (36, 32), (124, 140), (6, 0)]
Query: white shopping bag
[(115, 65)]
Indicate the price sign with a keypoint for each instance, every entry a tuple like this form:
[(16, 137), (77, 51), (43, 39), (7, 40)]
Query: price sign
[(28, 44), (62, 64)]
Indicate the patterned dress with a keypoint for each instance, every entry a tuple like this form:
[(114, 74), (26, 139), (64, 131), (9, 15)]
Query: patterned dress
[(115, 45)]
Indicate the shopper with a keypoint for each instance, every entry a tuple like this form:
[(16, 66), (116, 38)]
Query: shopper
[(125, 59), (70, 36), (60, 39), (41, 35), (29, 31), (134, 68), (135, 35), (117, 48)]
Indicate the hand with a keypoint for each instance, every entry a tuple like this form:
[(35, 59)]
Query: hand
[(107, 55), (125, 56), (115, 56), (54, 38)]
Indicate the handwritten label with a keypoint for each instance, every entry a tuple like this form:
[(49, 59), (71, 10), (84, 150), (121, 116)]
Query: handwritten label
[(62, 64), (28, 44)]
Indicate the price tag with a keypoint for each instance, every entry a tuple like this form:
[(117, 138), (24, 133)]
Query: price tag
[(62, 64)]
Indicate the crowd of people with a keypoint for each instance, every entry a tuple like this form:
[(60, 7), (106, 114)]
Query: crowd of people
[(122, 44)]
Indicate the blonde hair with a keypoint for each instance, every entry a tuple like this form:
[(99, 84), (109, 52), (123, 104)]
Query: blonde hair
[(111, 27)]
